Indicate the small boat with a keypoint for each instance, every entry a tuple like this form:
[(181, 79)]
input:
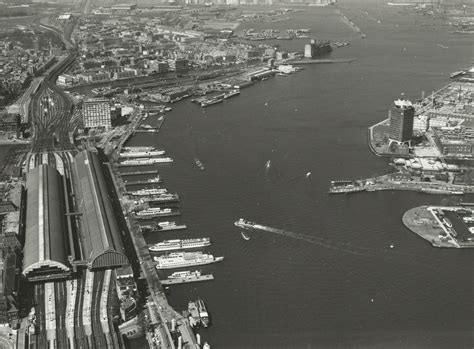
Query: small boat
[(308, 174), (245, 236), (199, 164), (392, 246), (268, 164)]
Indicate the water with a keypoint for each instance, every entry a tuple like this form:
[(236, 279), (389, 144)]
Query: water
[(280, 292)]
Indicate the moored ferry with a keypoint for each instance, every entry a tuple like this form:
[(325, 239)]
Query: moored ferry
[(178, 244), (145, 192), (155, 211), (185, 259), (145, 161), (203, 314), (141, 154), (163, 226)]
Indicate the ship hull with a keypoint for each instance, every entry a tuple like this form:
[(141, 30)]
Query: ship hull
[(189, 264), (174, 248)]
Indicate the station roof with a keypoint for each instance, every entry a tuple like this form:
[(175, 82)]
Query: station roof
[(100, 234), (45, 251)]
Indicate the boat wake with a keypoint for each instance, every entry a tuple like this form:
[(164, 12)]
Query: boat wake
[(341, 246)]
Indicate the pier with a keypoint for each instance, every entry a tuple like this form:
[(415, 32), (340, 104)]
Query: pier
[(160, 215), (187, 280), (321, 61), (142, 182), (136, 173)]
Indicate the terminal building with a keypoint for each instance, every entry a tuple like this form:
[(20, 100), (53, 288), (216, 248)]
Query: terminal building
[(45, 250), (100, 236), (401, 122)]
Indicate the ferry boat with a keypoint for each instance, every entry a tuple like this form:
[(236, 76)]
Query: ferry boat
[(211, 101), (141, 154), (145, 192), (242, 223), (145, 161), (203, 315), (155, 211), (185, 259), (184, 274), (232, 93), (138, 149), (167, 197), (178, 244), (163, 226)]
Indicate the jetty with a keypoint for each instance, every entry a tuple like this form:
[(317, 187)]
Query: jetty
[(137, 173), (321, 61), (187, 280), (142, 182)]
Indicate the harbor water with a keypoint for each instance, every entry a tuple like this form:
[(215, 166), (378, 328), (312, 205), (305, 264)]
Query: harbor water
[(277, 291)]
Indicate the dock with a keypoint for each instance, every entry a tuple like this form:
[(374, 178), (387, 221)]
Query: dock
[(321, 61), (147, 218), (137, 173), (187, 280), (142, 182)]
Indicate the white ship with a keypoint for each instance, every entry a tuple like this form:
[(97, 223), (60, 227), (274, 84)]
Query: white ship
[(138, 149), (242, 223), (145, 161), (163, 226), (141, 154), (144, 192), (155, 211), (185, 259), (184, 274), (177, 244)]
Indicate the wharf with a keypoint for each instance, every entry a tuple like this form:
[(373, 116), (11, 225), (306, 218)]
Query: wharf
[(147, 130), (136, 173), (187, 280), (142, 182), (158, 200), (159, 215), (321, 61)]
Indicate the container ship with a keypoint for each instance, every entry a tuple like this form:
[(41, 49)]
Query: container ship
[(145, 161), (185, 259), (177, 244), (146, 192), (162, 226), (142, 154)]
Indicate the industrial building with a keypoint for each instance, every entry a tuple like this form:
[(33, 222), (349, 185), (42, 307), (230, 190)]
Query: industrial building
[(99, 232), (45, 250), (96, 113), (401, 122)]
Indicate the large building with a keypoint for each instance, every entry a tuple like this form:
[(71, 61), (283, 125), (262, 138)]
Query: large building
[(401, 122), (45, 250), (99, 231), (96, 113)]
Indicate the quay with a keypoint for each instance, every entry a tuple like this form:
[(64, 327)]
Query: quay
[(321, 61), (159, 215), (187, 280), (142, 182), (136, 173)]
